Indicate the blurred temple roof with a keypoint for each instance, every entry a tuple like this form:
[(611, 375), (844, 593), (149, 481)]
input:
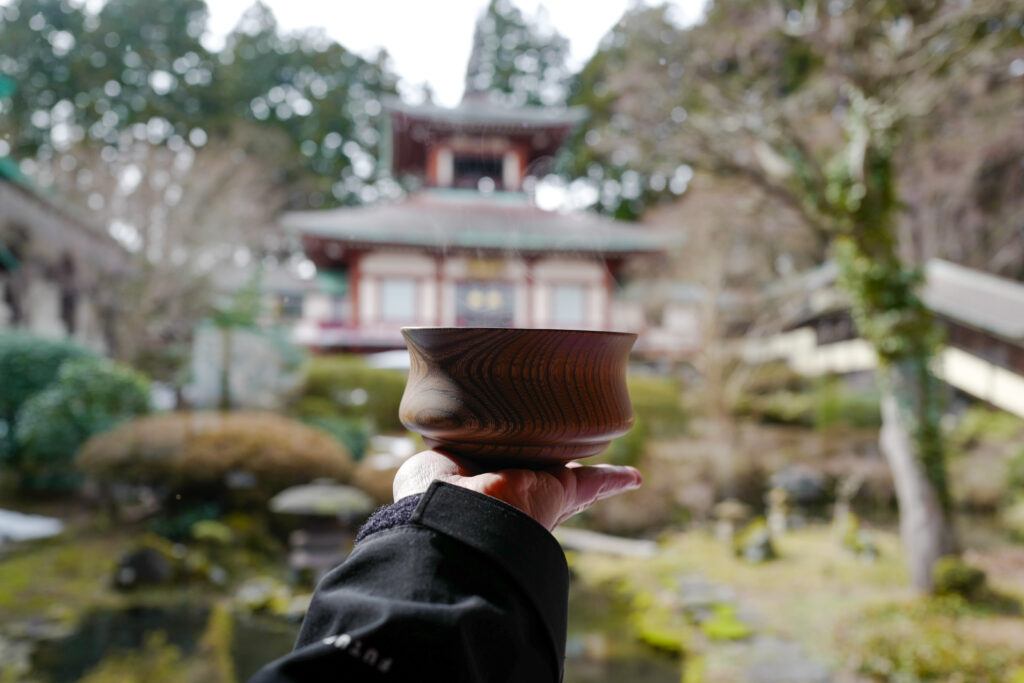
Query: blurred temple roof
[(452, 220), (55, 227), (481, 112)]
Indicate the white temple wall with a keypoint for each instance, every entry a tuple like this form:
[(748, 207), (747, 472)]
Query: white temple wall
[(42, 309)]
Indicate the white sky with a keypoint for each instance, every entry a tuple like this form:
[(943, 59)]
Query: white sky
[(430, 41)]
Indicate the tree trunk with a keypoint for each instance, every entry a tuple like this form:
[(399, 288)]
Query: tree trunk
[(924, 525), (225, 368)]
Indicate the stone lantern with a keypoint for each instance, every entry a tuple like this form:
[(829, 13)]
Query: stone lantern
[(326, 516)]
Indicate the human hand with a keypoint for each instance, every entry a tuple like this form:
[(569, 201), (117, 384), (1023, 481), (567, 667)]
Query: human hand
[(551, 495)]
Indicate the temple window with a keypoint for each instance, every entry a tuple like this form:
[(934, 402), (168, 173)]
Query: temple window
[(398, 299), (568, 303), (469, 170), (488, 304), (290, 306)]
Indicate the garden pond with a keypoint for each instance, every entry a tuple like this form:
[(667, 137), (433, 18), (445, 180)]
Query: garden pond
[(600, 645)]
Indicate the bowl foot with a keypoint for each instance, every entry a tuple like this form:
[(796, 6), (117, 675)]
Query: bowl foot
[(500, 456)]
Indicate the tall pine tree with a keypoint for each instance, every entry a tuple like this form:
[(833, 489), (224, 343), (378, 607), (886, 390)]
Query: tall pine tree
[(517, 60)]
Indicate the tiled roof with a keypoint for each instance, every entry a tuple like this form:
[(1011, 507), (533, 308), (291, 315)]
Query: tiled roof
[(468, 220), (55, 226), (483, 113)]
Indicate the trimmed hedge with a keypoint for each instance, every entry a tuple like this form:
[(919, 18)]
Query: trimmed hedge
[(345, 387), (658, 405), (209, 452)]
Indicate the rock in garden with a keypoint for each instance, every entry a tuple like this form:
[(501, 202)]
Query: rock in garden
[(803, 485), (142, 567), (754, 544)]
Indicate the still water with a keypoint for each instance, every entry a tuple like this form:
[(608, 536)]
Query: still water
[(599, 649)]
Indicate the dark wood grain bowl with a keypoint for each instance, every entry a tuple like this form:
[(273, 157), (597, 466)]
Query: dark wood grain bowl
[(517, 397)]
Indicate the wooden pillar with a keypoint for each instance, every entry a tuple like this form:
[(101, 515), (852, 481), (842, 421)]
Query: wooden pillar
[(354, 275), (439, 290), (529, 261), (609, 292)]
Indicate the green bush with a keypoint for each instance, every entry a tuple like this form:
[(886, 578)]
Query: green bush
[(835, 404), (953, 576), (657, 404), (89, 396), (28, 364), (780, 407), (1015, 474), (344, 386), (627, 449), (241, 457), (980, 424), (768, 378), (934, 639), (352, 433), (657, 411), (824, 404)]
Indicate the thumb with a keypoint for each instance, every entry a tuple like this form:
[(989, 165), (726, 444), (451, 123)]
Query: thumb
[(585, 485)]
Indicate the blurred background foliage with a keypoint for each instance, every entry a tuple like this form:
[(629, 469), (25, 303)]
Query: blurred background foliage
[(735, 130), (137, 68)]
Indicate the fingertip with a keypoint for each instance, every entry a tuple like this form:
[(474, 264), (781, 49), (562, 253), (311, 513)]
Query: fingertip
[(633, 472)]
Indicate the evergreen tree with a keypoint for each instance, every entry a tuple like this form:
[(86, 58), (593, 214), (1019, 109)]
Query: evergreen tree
[(139, 68), (326, 99), (516, 60)]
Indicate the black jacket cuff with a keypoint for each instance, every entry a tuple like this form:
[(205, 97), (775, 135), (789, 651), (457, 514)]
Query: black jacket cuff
[(510, 537)]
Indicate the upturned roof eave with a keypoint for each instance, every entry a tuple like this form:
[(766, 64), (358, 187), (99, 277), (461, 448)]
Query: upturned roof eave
[(488, 114), (467, 245)]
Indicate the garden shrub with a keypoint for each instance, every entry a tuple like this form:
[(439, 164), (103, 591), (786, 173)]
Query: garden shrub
[(1015, 475), (953, 576), (89, 396), (768, 378), (657, 404), (209, 455), (780, 407), (935, 639), (628, 448), (657, 411), (836, 404), (352, 433), (981, 424), (824, 404), (344, 386), (28, 364)]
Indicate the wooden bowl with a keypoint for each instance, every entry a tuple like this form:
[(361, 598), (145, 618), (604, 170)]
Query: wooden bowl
[(517, 397)]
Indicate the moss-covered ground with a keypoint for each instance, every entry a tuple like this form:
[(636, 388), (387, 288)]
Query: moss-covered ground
[(842, 610)]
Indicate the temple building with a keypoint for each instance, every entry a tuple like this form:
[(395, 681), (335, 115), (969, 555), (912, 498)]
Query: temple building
[(53, 266), (470, 248), (983, 318)]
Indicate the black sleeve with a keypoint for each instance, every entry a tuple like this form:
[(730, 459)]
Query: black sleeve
[(470, 589)]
